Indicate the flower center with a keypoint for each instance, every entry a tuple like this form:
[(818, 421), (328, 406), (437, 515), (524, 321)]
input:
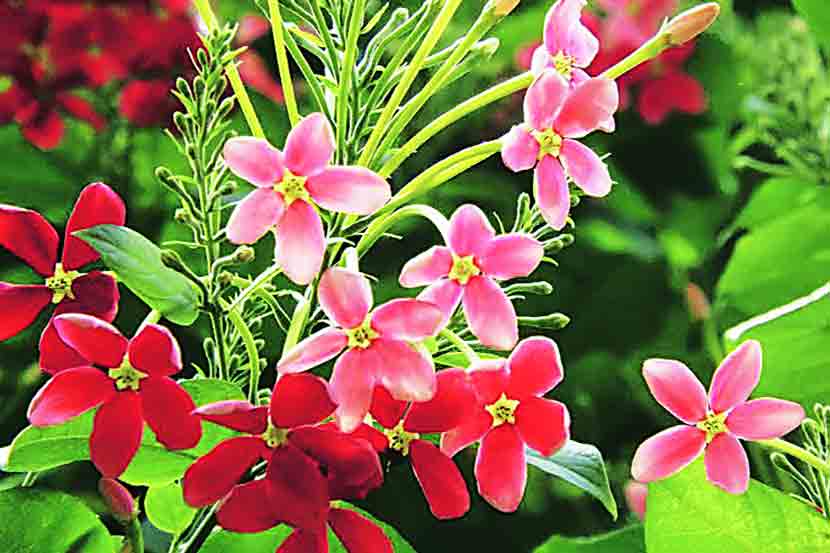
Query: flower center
[(633, 8), (60, 283), (292, 187), (463, 269), (274, 437), (126, 376), (564, 64), (362, 336), (550, 143), (713, 425), (399, 439), (503, 410)]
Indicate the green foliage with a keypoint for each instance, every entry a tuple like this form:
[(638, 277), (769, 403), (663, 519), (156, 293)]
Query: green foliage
[(818, 18), (627, 540), (166, 509)]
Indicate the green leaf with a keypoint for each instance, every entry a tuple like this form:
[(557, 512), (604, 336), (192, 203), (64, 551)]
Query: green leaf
[(166, 509), (627, 540), (581, 465), (818, 19), (458, 359), (687, 514), (46, 521), (774, 198), (137, 263)]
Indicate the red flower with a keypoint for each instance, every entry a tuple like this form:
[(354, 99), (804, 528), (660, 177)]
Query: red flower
[(148, 103), (252, 68), (133, 387)]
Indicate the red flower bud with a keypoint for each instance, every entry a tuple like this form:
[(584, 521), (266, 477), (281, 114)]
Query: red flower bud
[(698, 303), (118, 499), (691, 23)]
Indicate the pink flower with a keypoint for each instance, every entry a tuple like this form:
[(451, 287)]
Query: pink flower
[(468, 268), (569, 46), (510, 415), (288, 187), (636, 494), (712, 424), (554, 116), (378, 346)]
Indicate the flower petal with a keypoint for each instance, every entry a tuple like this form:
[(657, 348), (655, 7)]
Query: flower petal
[(258, 212), (357, 533), (387, 410), (213, 475), (303, 541), (764, 419), (667, 452), (237, 415), (470, 431), (310, 146), (544, 100), (490, 379), (20, 305), (168, 409), (543, 424), (446, 294), (564, 32), (248, 508), (512, 255), (490, 314), (500, 469), (453, 402), (551, 192), (69, 394), (254, 160), (97, 204), (736, 377), (30, 237), (56, 356), (314, 350), (535, 367), (586, 168), (96, 293), (675, 91), (519, 149), (636, 494), (407, 319), (98, 341), (676, 388), (727, 466), (352, 384), (441, 481), (354, 190), (299, 490), (301, 242), (345, 296), (300, 399), (406, 372), (427, 267), (587, 108), (470, 232), (116, 434), (155, 351)]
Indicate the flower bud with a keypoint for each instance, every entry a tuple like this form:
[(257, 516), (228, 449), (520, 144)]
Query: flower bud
[(504, 7), (172, 260), (687, 25), (540, 288), (554, 321), (698, 303), (243, 254), (635, 496), (225, 278), (118, 499)]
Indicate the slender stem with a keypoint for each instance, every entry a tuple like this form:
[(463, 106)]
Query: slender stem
[(461, 345), (650, 49), (345, 84), (381, 225), (797, 452), (310, 78), (262, 279), (29, 480), (135, 537), (298, 321), (250, 348), (198, 530), (219, 340), (323, 29), (282, 62)]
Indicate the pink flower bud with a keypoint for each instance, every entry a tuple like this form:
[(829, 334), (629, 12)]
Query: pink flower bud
[(687, 25), (504, 7), (635, 497), (698, 303), (118, 499)]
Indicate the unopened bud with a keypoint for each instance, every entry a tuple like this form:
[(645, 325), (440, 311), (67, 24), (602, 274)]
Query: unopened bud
[(183, 216), (687, 25), (243, 254), (485, 48), (554, 321), (504, 7), (635, 496), (555, 245), (118, 499), (698, 303), (163, 174), (171, 259), (225, 278), (540, 288)]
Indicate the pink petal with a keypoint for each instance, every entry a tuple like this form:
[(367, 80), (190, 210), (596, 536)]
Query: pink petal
[(535, 368), (310, 146), (168, 409), (408, 374), (301, 242), (470, 431), (544, 100), (587, 107), (453, 403), (736, 377), (511, 256), (20, 305), (636, 494), (500, 469), (314, 350), (551, 192), (354, 190), (727, 466), (254, 216), (69, 394), (586, 168), (564, 32), (155, 351), (490, 380), (426, 267), (490, 314), (676, 388), (519, 149), (446, 294), (256, 74), (543, 424), (30, 237), (97, 204), (667, 452), (764, 419), (213, 475), (248, 508), (357, 533), (235, 414), (440, 480), (254, 160), (345, 296), (352, 384), (540, 60), (300, 399), (99, 342), (407, 319), (470, 231), (116, 434)]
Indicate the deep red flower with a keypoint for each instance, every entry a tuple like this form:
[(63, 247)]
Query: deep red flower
[(129, 380), (357, 533), (148, 103)]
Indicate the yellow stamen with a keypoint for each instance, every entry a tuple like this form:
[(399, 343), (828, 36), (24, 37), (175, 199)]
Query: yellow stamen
[(274, 437), (127, 377), (463, 269), (713, 425), (292, 187), (503, 410), (363, 335), (399, 439), (60, 283), (550, 143)]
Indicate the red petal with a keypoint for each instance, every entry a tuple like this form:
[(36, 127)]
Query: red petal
[(470, 431), (501, 470), (96, 340), (535, 367), (212, 476), (453, 403), (95, 294), (543, 424), (68, 394), (155, 351), (248, 509), (299, 490), (303, 541), (97, 204), (30, 237), (168, 409), (20, 305), (357, 533), (116, 434), (300, 399), (236, 415), (56, 356), (490, 380), (83, 110), (440, 480), (387, 410), (375, 437), (44, 128)]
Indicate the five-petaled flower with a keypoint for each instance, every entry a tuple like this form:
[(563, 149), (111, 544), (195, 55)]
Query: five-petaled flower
[(380, 346), (568, 46), (288, 187), (713, 424), (129, 381), (511, 414), (554, 116), (469, 267)]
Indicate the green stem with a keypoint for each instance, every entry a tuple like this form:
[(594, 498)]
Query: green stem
[(298, 321), (461, 345), (152, 318), (797, 452), (262, 279), (650, 49), (282, 62), (345, 84), (308, 74), (380, 226), (250, 348), (29, 480), (323, 30), (134, 536)]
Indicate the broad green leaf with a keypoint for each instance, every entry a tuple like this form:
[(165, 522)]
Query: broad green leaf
[(774, 198), (818, 18), (687, 514), (137, 263), (166, 509), (581, 465), (627, 540), (46, 521)]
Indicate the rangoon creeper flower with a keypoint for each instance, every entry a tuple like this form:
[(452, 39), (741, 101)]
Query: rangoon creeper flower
[(554, 116), (569, 46), (512, 414), (129, 380), (379, 346), (714, 424), (468, 268), (289, 185)]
